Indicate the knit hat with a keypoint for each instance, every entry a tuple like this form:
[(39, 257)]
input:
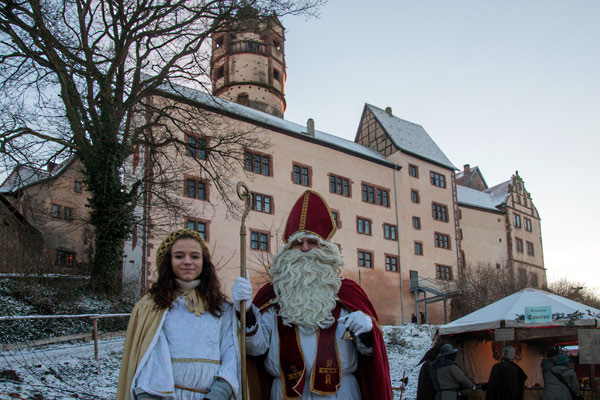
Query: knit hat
[(562, 359), (166, 244)]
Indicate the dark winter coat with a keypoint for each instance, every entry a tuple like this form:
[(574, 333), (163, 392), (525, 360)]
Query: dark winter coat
[(554, 389), (425, 389), (507, 382), (450, 378)]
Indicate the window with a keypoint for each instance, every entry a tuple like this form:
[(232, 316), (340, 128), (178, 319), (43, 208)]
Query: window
[(68, 214), (441, 240), (276, 75), (220, 72), (391, 263), (301, 174), (65, 258), (262, 203), (460, 234), (414, 196), (258, 163), (339, 185), (517, 221), (77, 187), (365, 259), (530, 248), (443, 272), (439, 212), (390, 232), (260, 240), (200, 226), (418, 248), (416, 221), (413, 170), (363, 225), (519, 244), (438, 180), (527, 224), (196, 189), (219, 42), (56, 211), (196, 147), (336, 218), (375, 195)]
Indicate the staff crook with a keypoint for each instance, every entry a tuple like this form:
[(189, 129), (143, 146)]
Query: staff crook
[(244, 194)]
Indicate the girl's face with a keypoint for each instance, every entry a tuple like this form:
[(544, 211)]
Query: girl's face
[(186, 259)]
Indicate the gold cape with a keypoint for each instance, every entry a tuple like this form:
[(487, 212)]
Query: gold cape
[(145, 319)]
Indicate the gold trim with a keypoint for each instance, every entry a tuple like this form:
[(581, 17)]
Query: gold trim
[(192, 360), (312, 374), (304, 210), (191, 389)]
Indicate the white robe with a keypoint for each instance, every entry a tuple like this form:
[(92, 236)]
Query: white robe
[(189, 351), (266, 340)]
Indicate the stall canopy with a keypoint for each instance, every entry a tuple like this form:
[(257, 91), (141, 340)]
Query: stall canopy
[(504, 313)]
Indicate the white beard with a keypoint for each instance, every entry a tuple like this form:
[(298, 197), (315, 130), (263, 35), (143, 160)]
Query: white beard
[(306, 285)]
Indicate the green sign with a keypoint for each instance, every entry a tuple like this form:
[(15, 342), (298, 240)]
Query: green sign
[(538, 314)]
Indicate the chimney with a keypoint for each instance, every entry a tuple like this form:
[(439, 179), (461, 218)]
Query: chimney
[(50, 166), (467, 169), (389, 111), (310, 127)]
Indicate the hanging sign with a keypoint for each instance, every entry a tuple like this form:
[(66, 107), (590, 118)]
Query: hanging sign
[(538, 314), (504, 334), (589, 346)]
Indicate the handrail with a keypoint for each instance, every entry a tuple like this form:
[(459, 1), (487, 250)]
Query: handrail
[(93, 317)]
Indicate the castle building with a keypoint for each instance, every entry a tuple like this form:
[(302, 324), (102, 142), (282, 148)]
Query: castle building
[(500, 226), (53, 202)]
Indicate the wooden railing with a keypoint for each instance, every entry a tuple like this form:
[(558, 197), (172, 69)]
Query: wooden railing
[(94, 335)]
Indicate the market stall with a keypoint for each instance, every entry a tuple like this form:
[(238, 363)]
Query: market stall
[(532, 320)]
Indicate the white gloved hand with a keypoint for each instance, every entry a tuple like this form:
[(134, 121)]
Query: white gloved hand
[(358, 322), (242, 290)]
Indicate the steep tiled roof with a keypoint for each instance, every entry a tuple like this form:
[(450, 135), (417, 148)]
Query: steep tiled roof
[(24, 175), (411, 138), (499, 192), (475, 198), (270, 120)]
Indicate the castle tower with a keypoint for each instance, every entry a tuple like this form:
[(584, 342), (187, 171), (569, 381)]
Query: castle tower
[(248, 63)]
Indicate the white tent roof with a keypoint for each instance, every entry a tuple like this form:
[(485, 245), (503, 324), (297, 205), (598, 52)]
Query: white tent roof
[(507, 309)]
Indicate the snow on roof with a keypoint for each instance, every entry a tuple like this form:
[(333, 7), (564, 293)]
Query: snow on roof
[(499, 192), (25, 175), (270, 120), (508, 308), (475, 198), (411, 138)]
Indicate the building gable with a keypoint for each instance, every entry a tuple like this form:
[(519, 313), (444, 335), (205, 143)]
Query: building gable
[(398, 134)]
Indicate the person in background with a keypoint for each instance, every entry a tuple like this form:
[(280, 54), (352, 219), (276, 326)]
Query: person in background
[(446, 375), (413, 319), (507, 379), (181, 341), (425, 389), (560, 381)]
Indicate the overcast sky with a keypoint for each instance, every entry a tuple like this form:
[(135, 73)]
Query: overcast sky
[(501, 84)]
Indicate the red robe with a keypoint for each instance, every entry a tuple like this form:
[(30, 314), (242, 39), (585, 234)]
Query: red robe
[(373, 373)]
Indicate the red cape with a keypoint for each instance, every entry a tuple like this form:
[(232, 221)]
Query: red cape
[(373, 372)]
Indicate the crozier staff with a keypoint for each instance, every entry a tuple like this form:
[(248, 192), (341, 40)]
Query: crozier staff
[(299, 320), (181, 338)]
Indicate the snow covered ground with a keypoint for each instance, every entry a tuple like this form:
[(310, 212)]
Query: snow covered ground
[(70, 371)]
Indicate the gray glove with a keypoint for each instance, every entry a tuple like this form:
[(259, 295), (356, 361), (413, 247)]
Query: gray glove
[(219, 390)]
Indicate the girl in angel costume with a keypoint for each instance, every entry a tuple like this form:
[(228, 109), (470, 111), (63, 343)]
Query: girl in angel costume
[(181, 339)]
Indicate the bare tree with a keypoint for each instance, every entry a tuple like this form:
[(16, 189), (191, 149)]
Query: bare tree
[(482, 285), (576, 291), (77, 77)]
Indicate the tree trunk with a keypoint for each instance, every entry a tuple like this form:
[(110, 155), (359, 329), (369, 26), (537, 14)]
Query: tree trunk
[(111, 214)]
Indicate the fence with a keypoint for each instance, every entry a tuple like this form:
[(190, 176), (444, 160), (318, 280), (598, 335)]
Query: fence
[(95, 335)]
